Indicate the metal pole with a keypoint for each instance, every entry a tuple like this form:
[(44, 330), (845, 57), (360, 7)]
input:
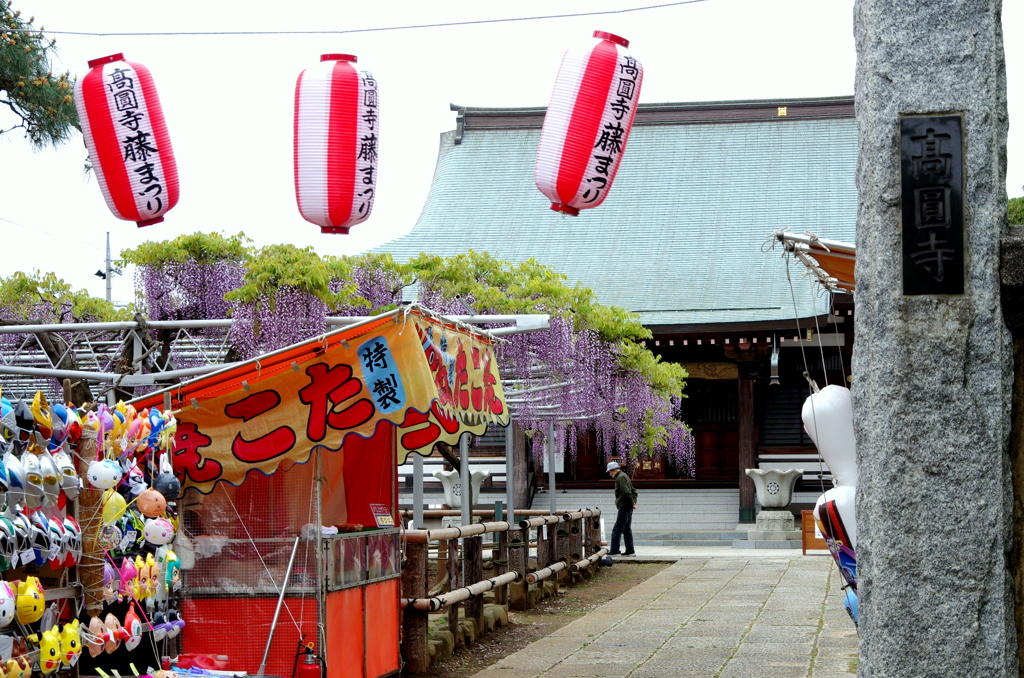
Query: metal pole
[(551, 461), (417, 491), (280, 602), (108, 271), (467, 499), (510, 485)]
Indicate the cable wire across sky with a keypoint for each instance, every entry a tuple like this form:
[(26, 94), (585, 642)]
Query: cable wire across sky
[(371, 30)]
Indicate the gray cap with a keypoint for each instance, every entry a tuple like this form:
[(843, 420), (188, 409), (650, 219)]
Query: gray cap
[(612, 465)]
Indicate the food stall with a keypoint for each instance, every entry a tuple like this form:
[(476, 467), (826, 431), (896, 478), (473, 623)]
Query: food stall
[(288, 464)]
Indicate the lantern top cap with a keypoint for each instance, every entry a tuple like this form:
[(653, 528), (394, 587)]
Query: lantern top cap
[(93, 63), (612, 37), (339, 57)]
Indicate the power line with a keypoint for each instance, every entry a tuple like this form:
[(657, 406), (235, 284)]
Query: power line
[(372, 30), (52, 235)]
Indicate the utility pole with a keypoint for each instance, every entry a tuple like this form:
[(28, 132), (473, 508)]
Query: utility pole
[(109, 270), (108, 273)]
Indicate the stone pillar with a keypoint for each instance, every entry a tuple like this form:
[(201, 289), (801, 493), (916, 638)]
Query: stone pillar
[(932, 371)]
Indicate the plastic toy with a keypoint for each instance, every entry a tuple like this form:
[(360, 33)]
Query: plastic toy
[(70, 643), (7, 604), (33, 480), (133, 626), (30, 602), (49, 650), (141, 588), (166, 483), (73, 535), (15, 479), (129, 572), (51, 478), (104, 474), (95, 636), (111, 583), (114, 506), (69, 480), (159, 531), (114, 635), (151, 503)]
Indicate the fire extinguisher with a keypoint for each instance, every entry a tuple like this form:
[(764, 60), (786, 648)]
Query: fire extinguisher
[(309, 666)]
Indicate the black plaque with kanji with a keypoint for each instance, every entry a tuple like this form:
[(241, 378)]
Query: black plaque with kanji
[(931, 167)]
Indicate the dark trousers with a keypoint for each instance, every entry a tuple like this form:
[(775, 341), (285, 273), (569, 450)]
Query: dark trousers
[(624, 528)]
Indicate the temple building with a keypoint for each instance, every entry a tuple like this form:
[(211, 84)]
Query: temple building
[(683, 240)]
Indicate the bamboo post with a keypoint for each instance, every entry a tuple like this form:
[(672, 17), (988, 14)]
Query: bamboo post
[(89, 517), (518, 557), (473, 549), (442, 560), (453, 583), (501, 566), (414, 622)]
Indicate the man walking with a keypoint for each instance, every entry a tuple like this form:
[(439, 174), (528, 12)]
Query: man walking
[(625, 502)]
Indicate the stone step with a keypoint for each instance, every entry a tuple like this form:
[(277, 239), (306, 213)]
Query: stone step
[(766, 544)]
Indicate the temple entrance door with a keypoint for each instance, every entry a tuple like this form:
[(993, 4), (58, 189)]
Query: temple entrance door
[(717, 451)]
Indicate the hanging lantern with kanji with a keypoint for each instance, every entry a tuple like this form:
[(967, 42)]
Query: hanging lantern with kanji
[(336, 136), (587, 123), (126, 135)]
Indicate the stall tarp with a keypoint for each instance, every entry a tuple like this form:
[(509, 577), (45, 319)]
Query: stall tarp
[(431, 379)]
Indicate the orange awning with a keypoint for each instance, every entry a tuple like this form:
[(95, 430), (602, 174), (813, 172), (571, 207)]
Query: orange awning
[(831, 261), (430, 378)]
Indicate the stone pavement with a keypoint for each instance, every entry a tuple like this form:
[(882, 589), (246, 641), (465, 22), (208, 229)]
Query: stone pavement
[(706, 617)]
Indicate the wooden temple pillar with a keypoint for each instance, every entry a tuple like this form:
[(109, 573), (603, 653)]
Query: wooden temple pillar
[(747, 441)]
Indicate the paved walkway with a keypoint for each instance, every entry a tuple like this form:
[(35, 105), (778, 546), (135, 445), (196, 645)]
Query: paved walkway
[(707, 617)]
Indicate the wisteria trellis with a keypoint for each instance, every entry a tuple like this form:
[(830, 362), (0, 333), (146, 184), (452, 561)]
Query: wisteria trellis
[(568, 372)]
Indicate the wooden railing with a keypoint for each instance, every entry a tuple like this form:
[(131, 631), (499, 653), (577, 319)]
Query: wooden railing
[(567, 544)]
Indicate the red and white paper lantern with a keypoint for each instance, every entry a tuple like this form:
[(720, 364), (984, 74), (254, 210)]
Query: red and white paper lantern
[(126, 135), (587, 123), (337, 131)]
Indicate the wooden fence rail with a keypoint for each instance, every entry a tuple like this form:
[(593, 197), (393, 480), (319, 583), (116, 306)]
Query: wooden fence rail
[(567, 546)]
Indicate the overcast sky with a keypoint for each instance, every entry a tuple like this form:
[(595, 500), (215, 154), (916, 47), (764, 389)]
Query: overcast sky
[(228, 101)]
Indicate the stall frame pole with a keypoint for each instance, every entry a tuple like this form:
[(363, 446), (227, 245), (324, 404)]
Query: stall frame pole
[(510, 492), (417, 492), (551, 462)]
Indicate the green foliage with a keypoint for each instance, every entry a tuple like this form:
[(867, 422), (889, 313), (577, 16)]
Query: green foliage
[(1016, 212), (274, 266), (203, 248), (667, 379), (42, 100), (39, 297), (527, 287)]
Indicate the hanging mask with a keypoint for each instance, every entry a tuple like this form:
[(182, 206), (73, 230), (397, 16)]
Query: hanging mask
[(95, 637), (115, 633), (73, 534), (129, 572), (30, 602), (69, 481), (111, 583), (57, 552), (104, 474), (173, 621), (154, 574), (15, 479), (40, 527), (22, 532), (33, 480), (21, 656), (166, 483), (70, 643), (159, 623), (7, 604), (51, 479), (49, 650), (133, 625), (159, 531), (59, 415), (134, 478), (8, 544), (172, 572), (42, 421), (4, 448), (141, 588), (73, 426), (8, 425), (24, 425)]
